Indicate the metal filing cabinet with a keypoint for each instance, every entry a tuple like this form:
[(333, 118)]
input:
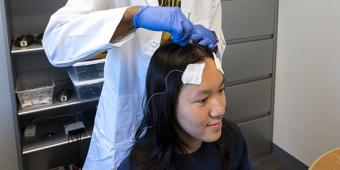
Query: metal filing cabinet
[(248, 62), (258, 135), (249, 100), (248, 18)]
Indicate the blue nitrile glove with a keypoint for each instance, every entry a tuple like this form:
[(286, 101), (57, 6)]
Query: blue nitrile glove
[(166, 19), (204, 36)]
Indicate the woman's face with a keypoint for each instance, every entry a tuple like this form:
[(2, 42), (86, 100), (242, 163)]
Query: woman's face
[(200, 108)]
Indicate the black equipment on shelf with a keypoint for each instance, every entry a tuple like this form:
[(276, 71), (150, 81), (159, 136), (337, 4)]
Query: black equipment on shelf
[(27, 40)]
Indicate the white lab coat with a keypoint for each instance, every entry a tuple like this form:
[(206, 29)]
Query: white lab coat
[(83, 28)]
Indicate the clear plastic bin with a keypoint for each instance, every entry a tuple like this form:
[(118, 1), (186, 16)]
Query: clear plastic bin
[(87, 70), (87, 89), (34, 89)]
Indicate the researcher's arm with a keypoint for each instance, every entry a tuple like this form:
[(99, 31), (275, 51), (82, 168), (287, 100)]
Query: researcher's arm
[(155, 18), (126, 26), (81, 29)]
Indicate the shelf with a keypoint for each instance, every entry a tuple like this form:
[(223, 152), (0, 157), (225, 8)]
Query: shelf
[(30, 48), (55, 105), (56, 141)]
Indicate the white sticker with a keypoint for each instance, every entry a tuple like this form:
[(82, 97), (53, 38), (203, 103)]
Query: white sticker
[(193, 74), (218, 63)]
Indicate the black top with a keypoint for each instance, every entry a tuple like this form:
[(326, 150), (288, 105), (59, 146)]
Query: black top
[(207, 157)]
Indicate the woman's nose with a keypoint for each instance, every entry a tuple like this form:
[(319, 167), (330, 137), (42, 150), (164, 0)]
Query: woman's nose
[(218, 109)]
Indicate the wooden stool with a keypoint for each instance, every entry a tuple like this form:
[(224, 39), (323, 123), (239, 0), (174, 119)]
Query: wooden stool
[(328, 161)]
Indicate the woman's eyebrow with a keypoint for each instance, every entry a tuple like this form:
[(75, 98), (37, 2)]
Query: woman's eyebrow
[(205, 92)]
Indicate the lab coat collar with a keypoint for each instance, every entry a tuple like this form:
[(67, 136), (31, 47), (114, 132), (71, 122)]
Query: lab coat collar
[(186, 6), (152, 2)]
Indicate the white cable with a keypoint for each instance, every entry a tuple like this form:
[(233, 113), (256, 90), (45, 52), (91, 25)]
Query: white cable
[(166, 88), (147, 104)]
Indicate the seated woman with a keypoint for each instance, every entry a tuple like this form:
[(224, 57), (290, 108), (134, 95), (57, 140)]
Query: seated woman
[(183, 125)]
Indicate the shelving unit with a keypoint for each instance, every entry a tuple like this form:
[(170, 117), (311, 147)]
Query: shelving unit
[(42, 145), (56, 105), (29, 49), (48, 145), (53, 142), (45, 146)]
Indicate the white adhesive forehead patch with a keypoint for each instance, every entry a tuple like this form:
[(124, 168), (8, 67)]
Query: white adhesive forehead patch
[(218, 63), (193, 74)]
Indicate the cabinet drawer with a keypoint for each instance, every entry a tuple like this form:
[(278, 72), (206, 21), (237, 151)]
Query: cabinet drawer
[(257, 134), (247, 18), (248, 100), (247, 60)]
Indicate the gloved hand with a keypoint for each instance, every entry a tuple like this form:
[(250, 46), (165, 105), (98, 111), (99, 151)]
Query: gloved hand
[(167, 19), (204, 36)]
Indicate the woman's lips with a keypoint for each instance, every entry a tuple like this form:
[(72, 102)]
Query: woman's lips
[(215, 126)]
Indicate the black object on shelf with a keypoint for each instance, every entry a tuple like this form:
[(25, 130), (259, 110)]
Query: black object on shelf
[(27, 40), (27, 43), (24, 40), (64, 95), (51, 131)]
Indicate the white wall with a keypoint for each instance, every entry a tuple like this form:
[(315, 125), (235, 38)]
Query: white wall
[(307, 92)]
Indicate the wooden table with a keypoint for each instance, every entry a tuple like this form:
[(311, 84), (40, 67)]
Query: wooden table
[(327, 161)]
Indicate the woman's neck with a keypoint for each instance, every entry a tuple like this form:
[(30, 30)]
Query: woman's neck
[(191, 144)]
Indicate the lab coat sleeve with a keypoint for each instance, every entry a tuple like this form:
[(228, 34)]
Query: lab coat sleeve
[(81, 29), (217, 24)]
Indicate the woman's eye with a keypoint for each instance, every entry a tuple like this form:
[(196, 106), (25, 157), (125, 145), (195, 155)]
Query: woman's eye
[(203, 100), (221, 90)]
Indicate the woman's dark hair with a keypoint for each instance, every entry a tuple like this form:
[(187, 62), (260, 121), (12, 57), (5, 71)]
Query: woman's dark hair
[(156, 138)]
